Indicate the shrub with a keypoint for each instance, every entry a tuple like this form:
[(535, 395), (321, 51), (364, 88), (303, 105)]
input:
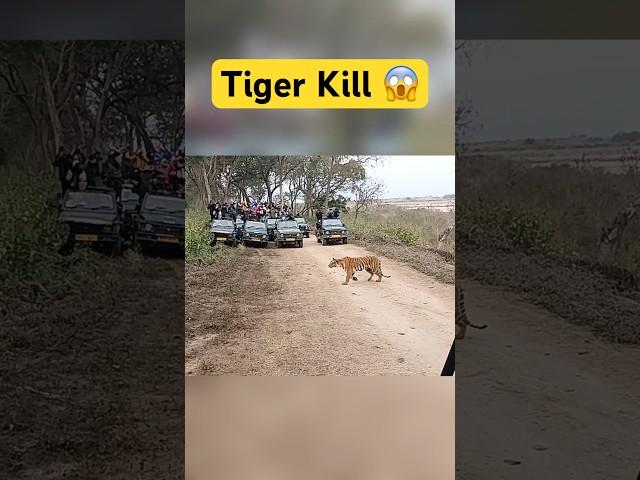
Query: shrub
[(30, 233), (505, 226)]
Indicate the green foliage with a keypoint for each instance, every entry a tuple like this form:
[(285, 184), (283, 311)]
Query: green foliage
[(505, 226), (31, 269), (197, 237), (339, 201), (30, 234), (558, 209), (197, 248)]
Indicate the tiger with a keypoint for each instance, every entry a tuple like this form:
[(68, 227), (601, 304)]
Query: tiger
[(356, 264), (461, 315)]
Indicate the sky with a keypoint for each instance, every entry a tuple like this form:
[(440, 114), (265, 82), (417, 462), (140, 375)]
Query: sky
[(408, 176), (552, 88)]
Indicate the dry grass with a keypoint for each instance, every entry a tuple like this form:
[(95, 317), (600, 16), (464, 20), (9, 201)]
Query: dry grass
[(216, 303), (417, 228), (410, 236)]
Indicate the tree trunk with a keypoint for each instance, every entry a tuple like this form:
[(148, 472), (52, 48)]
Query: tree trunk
[(54, 118), (329, 178), (207, 187), (112, 70), (281, 196)]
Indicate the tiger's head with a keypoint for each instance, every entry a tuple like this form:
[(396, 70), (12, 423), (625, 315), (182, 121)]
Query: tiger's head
[(335, 262)]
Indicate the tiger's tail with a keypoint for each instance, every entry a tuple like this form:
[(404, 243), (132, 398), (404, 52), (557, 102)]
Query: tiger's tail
[(479, 327)]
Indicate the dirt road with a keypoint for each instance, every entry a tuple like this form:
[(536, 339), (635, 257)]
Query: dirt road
[(295, 317), (539, 397), (92, 367)]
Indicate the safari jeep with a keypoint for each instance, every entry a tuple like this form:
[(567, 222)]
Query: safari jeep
[(332, 230), (303, 226), (255, 233), (288, 233), (160, 222), (91, 217), (225, 231)]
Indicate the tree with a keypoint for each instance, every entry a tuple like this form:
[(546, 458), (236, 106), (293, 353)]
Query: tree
[(96, 95), (313, 180), (366, 192), (465, 113), (611, 235)]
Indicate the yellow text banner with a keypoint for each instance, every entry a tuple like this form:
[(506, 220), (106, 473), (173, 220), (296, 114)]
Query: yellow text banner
[(319, 83)]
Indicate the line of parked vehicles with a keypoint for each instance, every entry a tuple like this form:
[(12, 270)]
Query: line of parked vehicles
[(96, 217), (281, 232)]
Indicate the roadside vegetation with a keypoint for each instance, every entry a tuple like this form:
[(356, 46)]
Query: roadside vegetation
[(409, 236), (309, 184), (31, 268), (559, 210), (537, 231), (390, 224), (198, 250)]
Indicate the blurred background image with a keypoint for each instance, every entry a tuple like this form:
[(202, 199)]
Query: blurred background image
[(91, 269), (320, 29), (319, 428), (548, 192)]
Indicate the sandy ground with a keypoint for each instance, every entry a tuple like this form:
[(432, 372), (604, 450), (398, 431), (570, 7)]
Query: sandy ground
[(319, 428), (538, 398), (296, 318)]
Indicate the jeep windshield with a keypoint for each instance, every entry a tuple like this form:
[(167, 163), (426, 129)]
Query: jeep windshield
[(129, 196), (89, 201), (157, 203), (332, 223), (255, 227), (222, 223), (301, 220), (288, 224)]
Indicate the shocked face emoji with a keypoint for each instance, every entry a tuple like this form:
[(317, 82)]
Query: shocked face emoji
[(401, 83)]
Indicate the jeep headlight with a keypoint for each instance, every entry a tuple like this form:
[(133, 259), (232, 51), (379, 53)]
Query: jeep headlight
[(299, 235), (327, 232), (345, 232), (148, 227)]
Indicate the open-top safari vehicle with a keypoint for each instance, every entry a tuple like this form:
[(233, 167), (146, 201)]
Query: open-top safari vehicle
[(91, 217), (160, 222), (224, 230), (331, 230), (288, 233), (303, 226)]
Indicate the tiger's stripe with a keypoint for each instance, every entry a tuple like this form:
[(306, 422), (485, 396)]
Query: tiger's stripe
[(461, 315), (351, 265)]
